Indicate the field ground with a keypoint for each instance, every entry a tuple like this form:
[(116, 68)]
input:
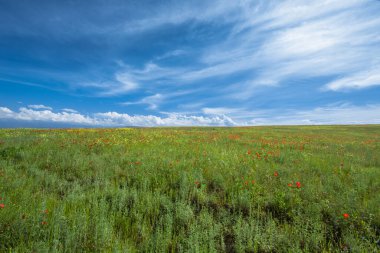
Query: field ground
[(258, 189)]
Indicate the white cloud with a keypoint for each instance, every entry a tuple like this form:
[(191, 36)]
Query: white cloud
[(126, 81), (356, 81), (339, 114), (122, 82), (44, 107), (278, 40), (191, 105), (46, 115), (299, 39), (273, 40), (25, 114), (220, 110), (333, 114), (69, 110), (171, 54), (171, 120), (341, 44), (181, 11), (5, 111), (153, 101), (114, 119)]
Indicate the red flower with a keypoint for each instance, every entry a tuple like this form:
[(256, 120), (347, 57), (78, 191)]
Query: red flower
[(346, 215), (290, 184), (298, 184), (44, 223), (275, 174), (2, 205)]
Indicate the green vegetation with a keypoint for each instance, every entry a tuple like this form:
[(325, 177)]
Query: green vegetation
[(258, 189)]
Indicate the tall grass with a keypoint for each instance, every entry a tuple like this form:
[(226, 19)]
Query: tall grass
[(190, 189)]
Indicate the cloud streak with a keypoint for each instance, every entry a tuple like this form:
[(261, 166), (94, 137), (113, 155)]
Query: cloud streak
[(278, 41), (44, 107), (359, 80)]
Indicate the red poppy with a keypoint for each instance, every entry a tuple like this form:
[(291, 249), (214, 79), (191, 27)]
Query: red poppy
[(298, 184), (275, 174), (290, 184), (2, 205), (346, 215)]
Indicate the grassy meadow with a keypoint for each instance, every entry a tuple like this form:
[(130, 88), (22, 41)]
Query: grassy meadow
[(254, 189)]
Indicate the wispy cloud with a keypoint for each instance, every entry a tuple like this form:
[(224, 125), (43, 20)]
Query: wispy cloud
[(221, 110), (69, 110), (301, 39), (152, 101), (44, 107), (343, 114), (277, 41), (171, 54), (359, 80)]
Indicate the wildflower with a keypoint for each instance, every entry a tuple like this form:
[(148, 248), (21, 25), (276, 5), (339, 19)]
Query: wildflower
[(253, 181), (346, 215), (275, 174), (44, 223), (298, 184), (290, 184), (2, 205), (248, 152)]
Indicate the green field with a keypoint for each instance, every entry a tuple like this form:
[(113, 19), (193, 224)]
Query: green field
[(257, 189)]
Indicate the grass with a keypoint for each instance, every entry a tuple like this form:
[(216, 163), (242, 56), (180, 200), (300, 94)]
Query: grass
[(190, 189)]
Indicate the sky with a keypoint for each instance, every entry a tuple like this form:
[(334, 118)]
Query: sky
[(189, 63)]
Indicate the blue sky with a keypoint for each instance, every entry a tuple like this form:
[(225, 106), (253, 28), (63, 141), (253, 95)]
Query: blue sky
[(176, 63)]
